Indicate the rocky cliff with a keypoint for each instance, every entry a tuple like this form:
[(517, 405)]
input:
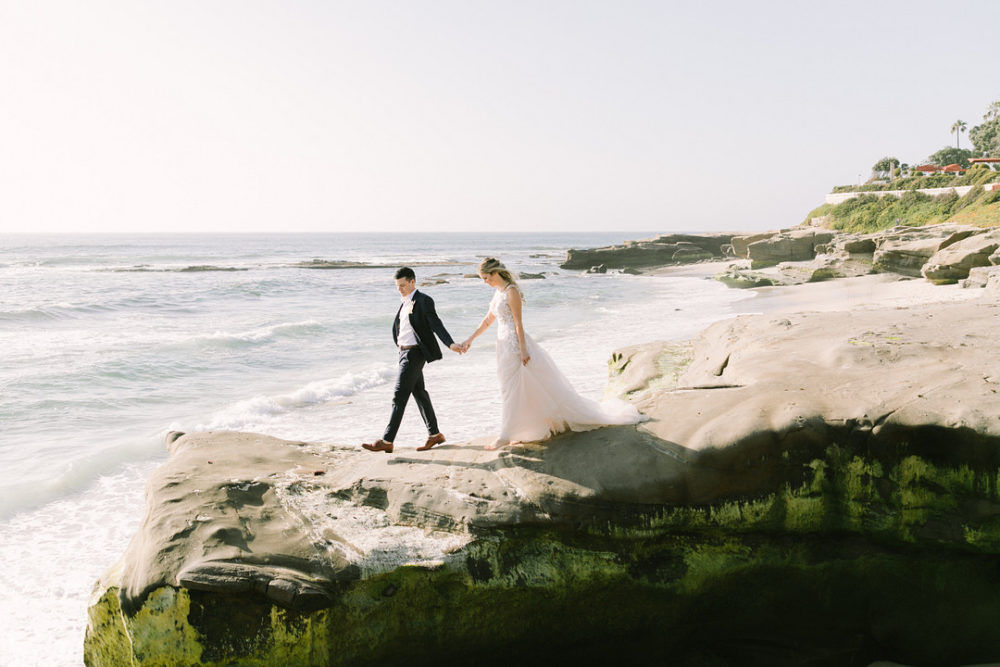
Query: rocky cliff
[(819, 488), (943, 254), (662, 250)]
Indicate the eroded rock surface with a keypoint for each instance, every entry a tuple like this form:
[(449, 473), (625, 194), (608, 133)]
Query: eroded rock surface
[(818, 486), (905, 250), (942, 253), (659, 251), (953, 262), (792, 245)]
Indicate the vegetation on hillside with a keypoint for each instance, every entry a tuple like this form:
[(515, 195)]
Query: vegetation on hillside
[(870, 212), (977, 175), (980, 206)]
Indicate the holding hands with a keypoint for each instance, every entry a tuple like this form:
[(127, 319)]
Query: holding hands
[(461, 348)]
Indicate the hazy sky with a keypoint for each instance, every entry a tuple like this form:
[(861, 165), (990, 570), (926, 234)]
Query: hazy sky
[(464, 115)]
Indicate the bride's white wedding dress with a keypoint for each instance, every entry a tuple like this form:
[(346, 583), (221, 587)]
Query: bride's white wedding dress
[(538, 400)]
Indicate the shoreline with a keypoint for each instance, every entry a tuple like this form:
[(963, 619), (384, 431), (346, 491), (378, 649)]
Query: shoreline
[(874, 290), (860, 413)]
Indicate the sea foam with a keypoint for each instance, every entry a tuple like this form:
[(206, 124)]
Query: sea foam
[(99, 365), (255, 412)]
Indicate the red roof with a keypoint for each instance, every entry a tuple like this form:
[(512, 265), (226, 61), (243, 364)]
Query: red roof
[(928, 167), (952, 167)]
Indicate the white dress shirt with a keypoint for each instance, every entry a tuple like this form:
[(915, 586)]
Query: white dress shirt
[(406, 337)]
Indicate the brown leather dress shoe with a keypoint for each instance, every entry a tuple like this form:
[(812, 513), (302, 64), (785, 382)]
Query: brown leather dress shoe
[(431, 441), (379, 445)]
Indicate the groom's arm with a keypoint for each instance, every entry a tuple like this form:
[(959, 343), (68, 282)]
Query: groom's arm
[(435, 322)]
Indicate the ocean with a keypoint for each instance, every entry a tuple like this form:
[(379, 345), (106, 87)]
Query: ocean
[(108, 342)]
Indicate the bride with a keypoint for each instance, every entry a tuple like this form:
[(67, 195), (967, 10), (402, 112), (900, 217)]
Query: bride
[(538, 400)]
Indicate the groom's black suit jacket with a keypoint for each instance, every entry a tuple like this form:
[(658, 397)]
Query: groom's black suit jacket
[(425, 323)]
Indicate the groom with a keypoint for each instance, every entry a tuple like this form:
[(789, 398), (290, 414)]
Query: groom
[(413, 332)]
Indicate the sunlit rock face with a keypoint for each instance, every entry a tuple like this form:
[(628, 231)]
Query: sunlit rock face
[(662, 250), (817, 488)]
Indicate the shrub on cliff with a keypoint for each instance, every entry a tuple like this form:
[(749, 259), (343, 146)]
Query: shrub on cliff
[(862, 213), (978, 174), (870, 213), (968, 199)]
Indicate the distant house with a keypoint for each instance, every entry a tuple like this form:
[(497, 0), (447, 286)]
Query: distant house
[(928, 169)]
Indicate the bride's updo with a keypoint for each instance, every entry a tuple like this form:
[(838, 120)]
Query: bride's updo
[(494, 265)]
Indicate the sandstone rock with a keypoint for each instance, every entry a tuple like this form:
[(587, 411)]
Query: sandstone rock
[(789, 246), (741, 243), (640, 369), (740, 278), (838, 265), (663, 250), (824, 267), (689, 252), (953, 262), (905, 257), (959, 233), (983, 276), (905, 250), (839, 463), (862, 245), (531, 276)]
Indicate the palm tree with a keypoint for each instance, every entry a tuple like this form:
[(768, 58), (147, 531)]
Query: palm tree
[(958, 126)]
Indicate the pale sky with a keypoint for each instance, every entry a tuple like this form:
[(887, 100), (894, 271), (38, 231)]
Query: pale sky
[(466, 115)]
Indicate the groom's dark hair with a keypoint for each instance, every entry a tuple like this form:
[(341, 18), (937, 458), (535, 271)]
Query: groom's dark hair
[(406, 272)]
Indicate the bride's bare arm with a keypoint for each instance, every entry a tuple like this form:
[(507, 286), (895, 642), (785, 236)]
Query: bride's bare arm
[(483, 326), (514, 301)]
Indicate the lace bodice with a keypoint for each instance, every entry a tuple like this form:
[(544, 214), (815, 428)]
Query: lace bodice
[(506, 332)]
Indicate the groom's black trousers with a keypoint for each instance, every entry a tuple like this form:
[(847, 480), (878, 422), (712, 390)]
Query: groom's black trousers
[(410, 381)]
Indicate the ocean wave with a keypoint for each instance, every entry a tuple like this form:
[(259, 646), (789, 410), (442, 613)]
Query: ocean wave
[(195, 268), (35, 484), (350, 264), (77, 311), (253, 413), (81, 535), (256, 336), (58, 311)]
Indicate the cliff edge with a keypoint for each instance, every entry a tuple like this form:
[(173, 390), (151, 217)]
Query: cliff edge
[(815, 487)]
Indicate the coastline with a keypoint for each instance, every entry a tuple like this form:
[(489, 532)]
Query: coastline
[(772, 444), (877, 290), (260, 350)]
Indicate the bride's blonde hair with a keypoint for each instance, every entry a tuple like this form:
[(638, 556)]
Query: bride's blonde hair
[(494, 265)]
